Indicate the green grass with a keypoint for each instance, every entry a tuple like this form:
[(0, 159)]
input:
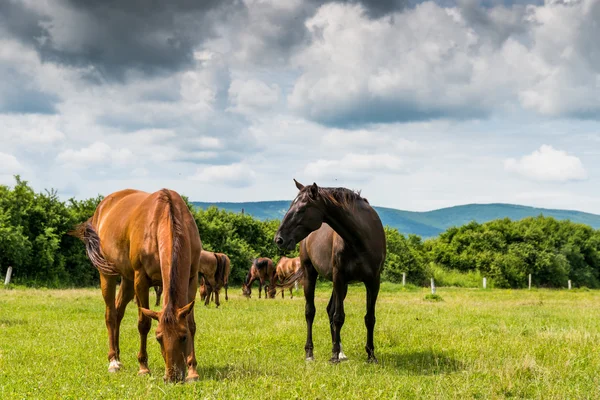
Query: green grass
[(475, 344)]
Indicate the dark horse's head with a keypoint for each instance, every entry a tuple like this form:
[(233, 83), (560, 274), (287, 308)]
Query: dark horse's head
[(304, 216)]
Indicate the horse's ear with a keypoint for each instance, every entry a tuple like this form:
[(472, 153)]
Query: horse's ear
[(299, 185), (150, 313), (185, 310), (313, 191)]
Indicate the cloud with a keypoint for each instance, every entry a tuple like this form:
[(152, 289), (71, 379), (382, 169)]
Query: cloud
[(115, 37), (431, 62), (98, 153), (548, 165), (252, 95), (9, 164), (354, 167), (236, 175)]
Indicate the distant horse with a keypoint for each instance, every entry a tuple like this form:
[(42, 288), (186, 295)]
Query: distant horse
[(215, 269), (286, 267), (148, 240), (344, 242), (261, 269), (221, 277)]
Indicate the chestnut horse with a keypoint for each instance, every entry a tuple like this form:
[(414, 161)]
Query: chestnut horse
[(261, 269), (215, 269), (221, 276), (344, 242), (147, 240), (285, 269)]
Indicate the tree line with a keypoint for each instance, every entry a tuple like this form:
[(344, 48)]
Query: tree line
[(34, 241)]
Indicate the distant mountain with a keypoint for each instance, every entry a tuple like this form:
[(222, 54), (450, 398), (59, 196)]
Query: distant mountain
[(427, 223)]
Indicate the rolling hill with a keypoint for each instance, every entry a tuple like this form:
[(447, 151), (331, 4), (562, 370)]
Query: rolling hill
[(426, 223)]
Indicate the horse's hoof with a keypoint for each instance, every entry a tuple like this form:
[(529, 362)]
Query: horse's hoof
[(342, 356), (114, 366), (309, 359), (143, 372), (192, 378), (334, 360), (372, 360)]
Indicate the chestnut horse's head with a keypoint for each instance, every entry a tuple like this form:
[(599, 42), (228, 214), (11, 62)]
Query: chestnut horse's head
[(173, 333), (304, 216)]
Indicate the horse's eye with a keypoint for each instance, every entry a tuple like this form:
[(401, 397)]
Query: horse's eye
[(159, 339), (183, 338)]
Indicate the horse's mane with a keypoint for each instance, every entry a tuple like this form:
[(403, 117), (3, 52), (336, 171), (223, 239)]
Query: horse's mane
[(340, 196), (248, 276), (177, 231)]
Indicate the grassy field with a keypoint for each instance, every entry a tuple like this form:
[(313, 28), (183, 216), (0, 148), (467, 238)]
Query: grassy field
[(473, 344)]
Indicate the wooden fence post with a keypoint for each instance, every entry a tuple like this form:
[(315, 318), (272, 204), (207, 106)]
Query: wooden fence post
[(8, 275), (403, 278), (569, 284), (529, 281), (432, 286), (484, 283)]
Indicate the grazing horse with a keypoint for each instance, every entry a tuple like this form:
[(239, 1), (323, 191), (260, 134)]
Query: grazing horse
[(148, 240), (285, 269), (221, 278), (344, 242), (215, 269), (262, 269)]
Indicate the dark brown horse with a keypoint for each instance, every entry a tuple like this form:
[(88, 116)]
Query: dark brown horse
[(286, 267), (148, 240), (345, 242), (215, 269), (262, 269)]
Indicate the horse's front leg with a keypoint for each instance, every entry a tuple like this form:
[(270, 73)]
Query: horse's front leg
[(340, 288), (310, 282), (191, 350), (142, 292), (108, 285)]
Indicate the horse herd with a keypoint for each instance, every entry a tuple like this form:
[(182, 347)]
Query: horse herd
[(151, 240)]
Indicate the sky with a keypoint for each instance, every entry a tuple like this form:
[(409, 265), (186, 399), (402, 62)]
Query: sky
[(420, 105)]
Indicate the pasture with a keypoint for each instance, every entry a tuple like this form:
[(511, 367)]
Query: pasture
[(474, 344)]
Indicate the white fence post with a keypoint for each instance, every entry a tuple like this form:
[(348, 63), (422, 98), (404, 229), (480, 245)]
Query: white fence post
[(569, 284), (8, 275), (403, 278), (432, 287), (484, 283), (529, 281)]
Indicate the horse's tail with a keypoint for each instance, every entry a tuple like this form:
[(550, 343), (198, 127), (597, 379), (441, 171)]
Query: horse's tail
[(88, 235), (292, 279)]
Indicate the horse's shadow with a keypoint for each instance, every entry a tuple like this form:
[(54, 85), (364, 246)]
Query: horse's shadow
[(426, 362), (221, 372)]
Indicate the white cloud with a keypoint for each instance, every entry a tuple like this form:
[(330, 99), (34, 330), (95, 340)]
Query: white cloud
[(237, 175), (9, 164), (354, 167), (95, 154), (548, 164), (252, 95)]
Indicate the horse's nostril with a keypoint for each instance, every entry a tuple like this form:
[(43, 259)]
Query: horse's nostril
[(279, 240)]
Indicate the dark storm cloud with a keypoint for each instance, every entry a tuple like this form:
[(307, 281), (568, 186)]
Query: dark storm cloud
[(115, 36)]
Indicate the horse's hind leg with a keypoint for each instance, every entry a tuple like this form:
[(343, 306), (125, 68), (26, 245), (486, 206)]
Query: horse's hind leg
[(158, 290), (340, 288), (372, 292), (260, 286), (124, 296), (142, 292), (108, 285), (310, 281)]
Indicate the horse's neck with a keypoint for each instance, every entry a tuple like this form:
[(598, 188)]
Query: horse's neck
[(347, 224)]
